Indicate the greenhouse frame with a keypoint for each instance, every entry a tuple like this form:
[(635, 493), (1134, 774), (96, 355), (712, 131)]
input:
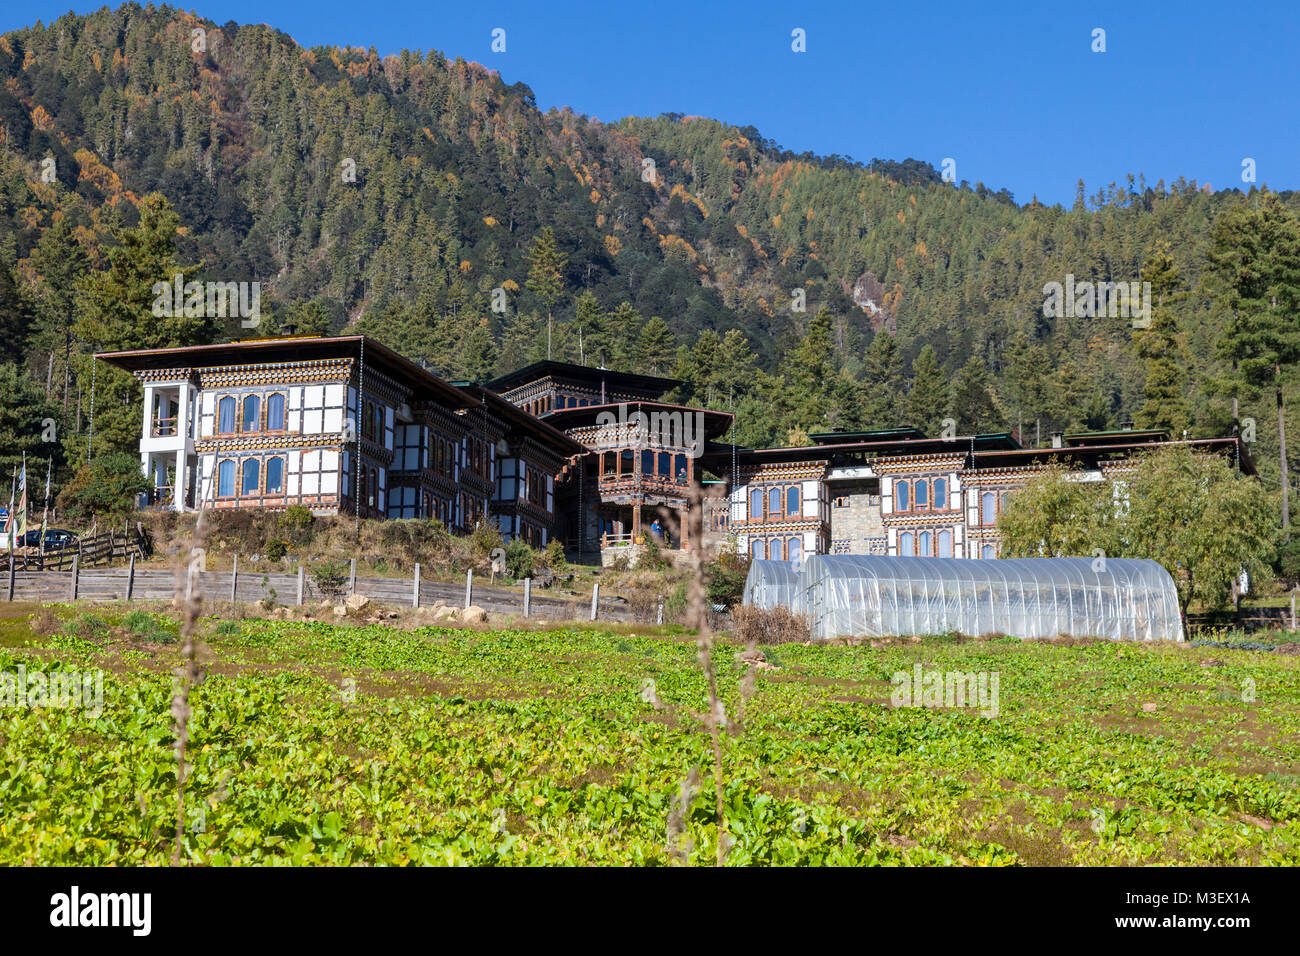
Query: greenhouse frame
[(877, 596), (773, 583)]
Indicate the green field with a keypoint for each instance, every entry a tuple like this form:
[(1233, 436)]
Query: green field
[(320, 743)]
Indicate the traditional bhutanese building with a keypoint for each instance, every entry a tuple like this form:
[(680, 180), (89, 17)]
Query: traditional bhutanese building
[(343, 425), (340, 425), (897, 492), (641, 465)]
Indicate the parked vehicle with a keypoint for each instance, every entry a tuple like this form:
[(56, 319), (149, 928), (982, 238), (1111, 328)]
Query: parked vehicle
[(54, 538)]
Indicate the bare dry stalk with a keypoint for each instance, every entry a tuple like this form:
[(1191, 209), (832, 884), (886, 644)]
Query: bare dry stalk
[(697, 610), (680, 844), (190, 597)]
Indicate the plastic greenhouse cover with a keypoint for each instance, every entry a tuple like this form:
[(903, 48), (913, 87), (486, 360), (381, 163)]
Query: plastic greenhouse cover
[(870, 595), (770, 583)]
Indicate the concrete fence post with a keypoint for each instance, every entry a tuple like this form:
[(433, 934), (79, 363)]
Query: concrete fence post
[(234, 578), (469, 587), (352, 576), (415, 593), (595, 599), (11, 574), (302, 583), (76, 575), (528, 595), (130, 578), (659, 614), (1293, 627)]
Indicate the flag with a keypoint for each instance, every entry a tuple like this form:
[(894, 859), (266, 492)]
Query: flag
[(9, 515), (45, 517), (22, 502)]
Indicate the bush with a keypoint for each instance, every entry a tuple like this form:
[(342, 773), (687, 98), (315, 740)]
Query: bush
[(553, 557), (298, 524), (138, 623), (519, 559), (330, 577), (769, 625), (484, 540), (652, 557), (106, 489), (276, 549), (726, 578)]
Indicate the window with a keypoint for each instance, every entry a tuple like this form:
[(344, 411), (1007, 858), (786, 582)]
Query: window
[(251, 472), (941, 493), (774, 502), (226, 416), (792, 501), (609, 463), (901, 497), (374, 488), (922, 495), (756, 550), (275, 476), (841, 502), (988, 508), (252, 405), (647, 462), (945, 544), (923, 543), (756, 504), (988, 552), (794, 549), (665, 464), (275, 412), (679, 469), (905, 544), (226, 471)]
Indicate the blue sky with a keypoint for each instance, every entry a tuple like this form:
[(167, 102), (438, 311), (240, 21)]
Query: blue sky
[(1012, 92)]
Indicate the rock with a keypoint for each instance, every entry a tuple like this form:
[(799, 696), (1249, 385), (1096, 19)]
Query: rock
[(341, 611), (473, 615), (753, 657), (391, 615), (1149, 708), (356, 602), (1212, 662), (444, 613), (543, 577)]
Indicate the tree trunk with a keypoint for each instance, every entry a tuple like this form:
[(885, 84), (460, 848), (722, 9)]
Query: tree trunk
[(1281, 451)]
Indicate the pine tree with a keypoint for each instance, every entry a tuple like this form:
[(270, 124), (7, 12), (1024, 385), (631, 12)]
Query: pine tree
[(1164, 405), (971, 402), (546, 266), (927, 400), (882, 385), (654, 347), (1255, 261)]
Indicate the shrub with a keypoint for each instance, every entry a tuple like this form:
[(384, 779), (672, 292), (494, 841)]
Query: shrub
[(276, 549), (769, 625), (138, 623), (519, 559), (106, 489), (726, 578), (553, 556), (298, 524), (484, 540), (652, 557), (330, 577)]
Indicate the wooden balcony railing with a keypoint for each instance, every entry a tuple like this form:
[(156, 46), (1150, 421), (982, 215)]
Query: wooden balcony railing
[(165, 427)]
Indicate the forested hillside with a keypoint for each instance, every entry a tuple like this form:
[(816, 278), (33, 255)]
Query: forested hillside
[(406, 196)]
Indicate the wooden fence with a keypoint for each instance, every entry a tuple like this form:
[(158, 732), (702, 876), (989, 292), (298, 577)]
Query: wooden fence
[(101, 549), (141, 584)]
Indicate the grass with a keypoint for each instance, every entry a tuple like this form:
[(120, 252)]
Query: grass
[(319, 743)]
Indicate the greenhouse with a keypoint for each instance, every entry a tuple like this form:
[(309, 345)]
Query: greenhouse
[(861, 595), (771, 583)]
